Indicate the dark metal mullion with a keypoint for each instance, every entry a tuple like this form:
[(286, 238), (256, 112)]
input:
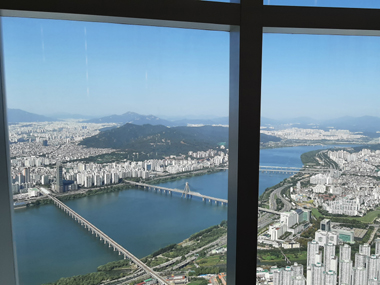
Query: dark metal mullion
[(8, 268), (319, 18), (245, 105), (190, 11)]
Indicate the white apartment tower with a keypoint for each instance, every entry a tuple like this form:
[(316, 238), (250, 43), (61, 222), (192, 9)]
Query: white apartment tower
[(299, 280), (359, 276), (317, 276), (287, 276), (330, 277), (345, 252), (374, 281), (277, 277), (372, 267), (365, 249), (345, 271), (361, 260), (312, 250), (298, 269), (329, 252), (377, 246)]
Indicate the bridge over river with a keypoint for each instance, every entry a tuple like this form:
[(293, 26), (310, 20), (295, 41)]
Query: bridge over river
[(103, 237), (186, 192), (291, 170)]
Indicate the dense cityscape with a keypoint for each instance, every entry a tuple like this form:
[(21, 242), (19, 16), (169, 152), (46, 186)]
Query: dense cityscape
[(47, 162), (306, 219), (331, 204)]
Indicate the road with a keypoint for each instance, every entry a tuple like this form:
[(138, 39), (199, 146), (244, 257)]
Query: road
[(272, 199), (267, 218)]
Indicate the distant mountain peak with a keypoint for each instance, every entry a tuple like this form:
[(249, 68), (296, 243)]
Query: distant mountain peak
[(21, 116)]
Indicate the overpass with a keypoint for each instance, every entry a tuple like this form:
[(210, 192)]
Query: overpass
[(186, 193), (107, 240), (269, 211)]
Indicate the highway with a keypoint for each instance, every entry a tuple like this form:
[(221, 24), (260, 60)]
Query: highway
[(272, 199), (268, 216)]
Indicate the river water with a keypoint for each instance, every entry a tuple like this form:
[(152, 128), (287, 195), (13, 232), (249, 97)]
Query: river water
[(50, 245)]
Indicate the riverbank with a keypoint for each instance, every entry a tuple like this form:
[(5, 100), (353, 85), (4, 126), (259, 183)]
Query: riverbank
[(165, 260), (81, 193), (307, 158), (315, 144)]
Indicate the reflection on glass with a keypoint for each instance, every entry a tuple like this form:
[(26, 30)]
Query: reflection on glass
[(369, 4), (320, 157), (113, 129)]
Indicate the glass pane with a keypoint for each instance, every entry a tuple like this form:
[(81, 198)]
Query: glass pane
[(369, 4), (319, 164), (126, 126)]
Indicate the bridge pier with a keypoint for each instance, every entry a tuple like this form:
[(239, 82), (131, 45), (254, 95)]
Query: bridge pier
[(209, 200), (125, 257), (216, 202)]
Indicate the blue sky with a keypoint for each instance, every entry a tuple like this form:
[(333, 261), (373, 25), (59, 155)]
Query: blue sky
[(100, 69), (320, 76), (86, 68)]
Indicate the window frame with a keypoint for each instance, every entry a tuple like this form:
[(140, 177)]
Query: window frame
[(245, 20)]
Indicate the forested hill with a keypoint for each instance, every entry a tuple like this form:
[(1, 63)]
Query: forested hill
[(160, 139), (267, 138)]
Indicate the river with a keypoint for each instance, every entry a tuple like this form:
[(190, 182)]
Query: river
[(50, 245)]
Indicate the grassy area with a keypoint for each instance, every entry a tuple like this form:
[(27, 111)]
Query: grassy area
[(369, 217), (316, 213), (294, 257), (212, 260), (198, 281)]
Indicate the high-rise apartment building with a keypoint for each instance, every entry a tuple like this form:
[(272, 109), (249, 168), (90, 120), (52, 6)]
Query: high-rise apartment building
[(299, 280), (377, 246), (359, 276), (374, 281), (330, 277), (361, 260), (312, 250), (345, 252), (317, 276), (59, 178), (372, 267), (26, 173), (287, 276), (325, 225), (365, 249), (345, 271), (329, 251), (298, 269)]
